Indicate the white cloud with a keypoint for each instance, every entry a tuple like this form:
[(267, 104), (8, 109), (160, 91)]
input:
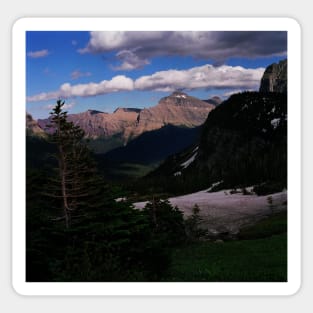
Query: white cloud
[(118, 40), (201, 77), (38, 54), (206, 76), (117, 83)]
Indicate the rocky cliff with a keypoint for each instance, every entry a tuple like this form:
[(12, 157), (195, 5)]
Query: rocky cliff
[(275, 78)]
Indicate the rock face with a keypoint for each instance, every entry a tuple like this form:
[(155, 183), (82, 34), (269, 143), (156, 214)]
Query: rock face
[(32, 127), (275, 78), (178, 109)]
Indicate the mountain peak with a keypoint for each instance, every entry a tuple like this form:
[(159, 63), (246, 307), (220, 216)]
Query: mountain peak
[(179, 94), (181, 99), (275, 78)]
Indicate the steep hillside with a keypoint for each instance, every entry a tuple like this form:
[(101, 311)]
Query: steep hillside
[(155, 146), (243, 141)]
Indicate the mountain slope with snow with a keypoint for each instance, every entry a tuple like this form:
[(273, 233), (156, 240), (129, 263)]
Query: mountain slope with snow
[(243, 142)]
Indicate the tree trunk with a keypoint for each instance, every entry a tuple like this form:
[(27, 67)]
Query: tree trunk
[(63, 187)]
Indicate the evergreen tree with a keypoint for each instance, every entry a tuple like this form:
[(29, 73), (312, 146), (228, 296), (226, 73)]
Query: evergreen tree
[(76, 179)]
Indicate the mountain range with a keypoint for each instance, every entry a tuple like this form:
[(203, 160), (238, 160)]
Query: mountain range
[(178, 109)]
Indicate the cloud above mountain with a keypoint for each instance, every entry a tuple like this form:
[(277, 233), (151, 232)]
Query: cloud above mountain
[(134, 49), (201, 77), (66, 90)]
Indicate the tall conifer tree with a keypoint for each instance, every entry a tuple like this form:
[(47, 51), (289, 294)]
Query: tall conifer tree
[(76, 169)]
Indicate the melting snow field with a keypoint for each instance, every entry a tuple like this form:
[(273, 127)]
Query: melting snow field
[(223, 212)]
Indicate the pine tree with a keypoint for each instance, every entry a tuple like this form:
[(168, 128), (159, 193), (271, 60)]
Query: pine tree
[(75, 181)]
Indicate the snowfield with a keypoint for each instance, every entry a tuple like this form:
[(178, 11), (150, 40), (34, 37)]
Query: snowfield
[(223, 212)]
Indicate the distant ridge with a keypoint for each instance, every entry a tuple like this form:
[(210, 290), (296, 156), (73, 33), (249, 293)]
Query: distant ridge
[(177, 109)]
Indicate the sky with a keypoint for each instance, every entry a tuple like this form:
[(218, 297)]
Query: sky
[(106, 70)]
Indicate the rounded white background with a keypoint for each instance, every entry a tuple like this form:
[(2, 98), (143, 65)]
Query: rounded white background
[(9, 300)]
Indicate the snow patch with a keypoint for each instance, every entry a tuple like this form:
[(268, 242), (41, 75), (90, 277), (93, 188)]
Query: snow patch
[(275, 122), (245, 107), (189, 161), (195, 149), (215, 184), (181, 96), (120, 199)]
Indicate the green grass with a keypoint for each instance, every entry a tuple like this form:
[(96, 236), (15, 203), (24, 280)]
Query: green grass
[(273, 225), (260, 260), (253, 260)]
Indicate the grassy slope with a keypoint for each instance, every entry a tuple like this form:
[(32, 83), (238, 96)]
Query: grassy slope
[(254, 260)]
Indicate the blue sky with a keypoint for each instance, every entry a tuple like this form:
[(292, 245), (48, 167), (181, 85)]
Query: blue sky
[(106, 70)]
